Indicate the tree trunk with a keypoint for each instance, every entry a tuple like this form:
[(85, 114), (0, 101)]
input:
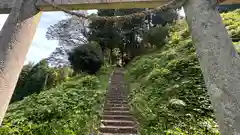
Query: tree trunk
[(45, 82), (15, 39), (122, 58), (219, 62), (111, 56)]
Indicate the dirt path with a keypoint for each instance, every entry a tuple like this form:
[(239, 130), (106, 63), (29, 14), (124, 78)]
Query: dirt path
[(116, 118)]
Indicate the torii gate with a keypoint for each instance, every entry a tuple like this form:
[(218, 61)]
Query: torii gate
[(218, 58)]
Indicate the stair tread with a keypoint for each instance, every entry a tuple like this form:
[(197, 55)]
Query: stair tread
[(118, 111), (116, 105), (117, 118), (118, 127), (117, 121), (123, 100), (116, 134), (118, 115), (119, 107)]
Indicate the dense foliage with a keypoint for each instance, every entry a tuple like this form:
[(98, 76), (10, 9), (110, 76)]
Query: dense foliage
[(86, 58), (168, 90), (70, 32), (125, 37), (35, 78), (72, 108), (156, 36), (232, 23)]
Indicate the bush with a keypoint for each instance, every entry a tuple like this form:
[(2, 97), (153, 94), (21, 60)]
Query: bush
[(72, 108), (34, 79), (86, 58), (168, 92), (157, 36), (232, 23)]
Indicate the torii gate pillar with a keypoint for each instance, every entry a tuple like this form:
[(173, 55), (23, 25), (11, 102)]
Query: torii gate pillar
[(15, 39), (219, 62)]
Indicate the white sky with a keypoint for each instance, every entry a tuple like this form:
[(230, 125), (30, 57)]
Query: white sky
[(41, 47)]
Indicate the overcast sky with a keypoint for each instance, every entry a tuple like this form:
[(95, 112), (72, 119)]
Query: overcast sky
[(41, 47)]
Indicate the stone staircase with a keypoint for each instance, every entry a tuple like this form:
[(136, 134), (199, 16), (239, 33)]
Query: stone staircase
[(117, 118)]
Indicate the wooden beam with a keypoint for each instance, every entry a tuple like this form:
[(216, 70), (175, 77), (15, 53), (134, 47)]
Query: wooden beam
[(6, 5)]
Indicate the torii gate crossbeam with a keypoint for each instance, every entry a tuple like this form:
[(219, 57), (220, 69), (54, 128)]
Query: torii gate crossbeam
[(218, 58), (6, 5)]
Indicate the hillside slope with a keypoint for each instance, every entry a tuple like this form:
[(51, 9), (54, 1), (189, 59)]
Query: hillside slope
[(72, 108), (168, 91)]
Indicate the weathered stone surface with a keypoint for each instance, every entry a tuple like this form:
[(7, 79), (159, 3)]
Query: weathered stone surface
[(6, 5), (117, 120), (219, 62), (15, 38)]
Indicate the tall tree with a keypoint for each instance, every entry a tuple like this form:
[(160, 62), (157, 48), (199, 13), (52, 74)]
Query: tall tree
[(86, 58), (162, 18), (105, 33), (70, 33), (33, 80), (24, 74), (131, 30)]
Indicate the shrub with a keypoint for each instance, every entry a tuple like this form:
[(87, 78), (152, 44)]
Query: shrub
[(72, 108), (34, 79), (157, 36), (86, 58), (168, 92)]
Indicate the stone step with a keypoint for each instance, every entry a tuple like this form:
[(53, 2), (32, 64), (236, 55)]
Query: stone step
[(118, 123), (117, 109), (115, 92), (111, 91), (118, 117), (117, 95), (115, 89), (107, 105), (117, 99), (124, 99), (116, 134), (117, 129), (117, 113), (117, 102)]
